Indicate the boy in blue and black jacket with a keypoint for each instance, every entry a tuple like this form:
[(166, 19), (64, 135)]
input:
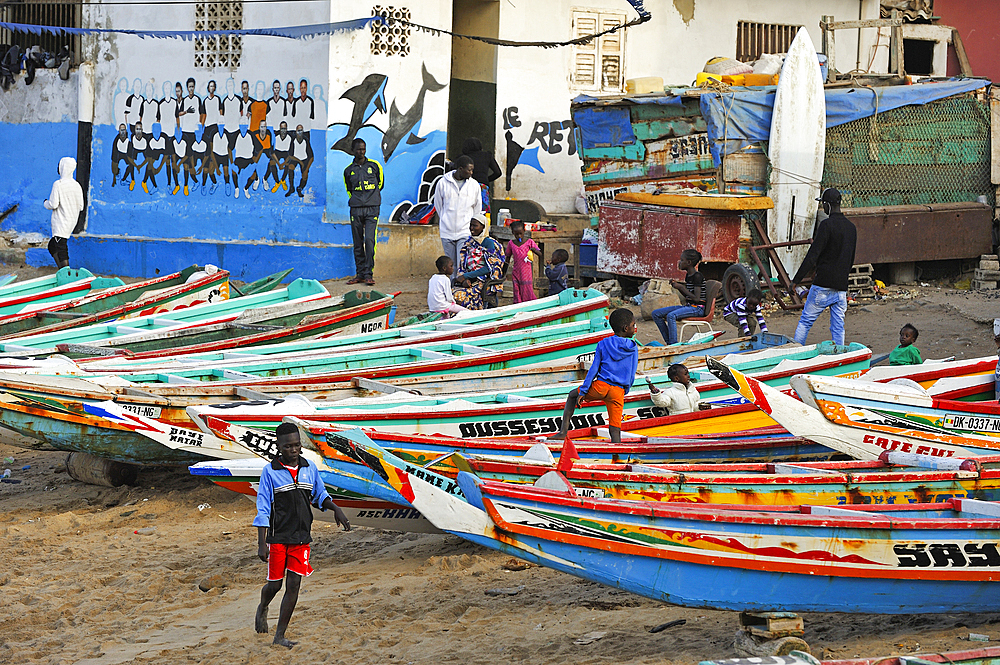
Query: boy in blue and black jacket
[(289, 487), (611, 375)]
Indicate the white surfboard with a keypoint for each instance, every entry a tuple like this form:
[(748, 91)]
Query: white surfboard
[(796, 149)]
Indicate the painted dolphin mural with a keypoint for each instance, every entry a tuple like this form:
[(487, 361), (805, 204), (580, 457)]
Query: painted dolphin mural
[(368, 97), (402, 124)]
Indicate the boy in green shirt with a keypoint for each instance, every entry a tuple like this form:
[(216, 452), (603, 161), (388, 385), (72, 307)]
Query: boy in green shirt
[(906, 353)]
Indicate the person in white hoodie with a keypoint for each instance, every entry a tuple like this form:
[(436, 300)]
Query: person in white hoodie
[(681, 396), (456, 198), (65, 202)]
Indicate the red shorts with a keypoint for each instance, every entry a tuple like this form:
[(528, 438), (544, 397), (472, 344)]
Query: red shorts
[(612, 396), (287, 557)]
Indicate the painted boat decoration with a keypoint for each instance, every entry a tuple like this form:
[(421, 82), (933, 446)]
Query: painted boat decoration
[(243, 476), (881, 559), (354, 313), (43, 292), (299, 291), (863, 419), (190, 286)]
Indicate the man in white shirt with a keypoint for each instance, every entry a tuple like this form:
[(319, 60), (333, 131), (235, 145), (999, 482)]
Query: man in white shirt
[(65, 202), (456, 198)]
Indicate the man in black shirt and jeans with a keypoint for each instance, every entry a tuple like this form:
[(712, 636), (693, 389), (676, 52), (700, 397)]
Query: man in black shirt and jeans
[(832, 256), (363, 179)]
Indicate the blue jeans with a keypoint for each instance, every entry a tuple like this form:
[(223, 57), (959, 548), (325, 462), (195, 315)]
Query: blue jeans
[(820, 298), (666, 318)]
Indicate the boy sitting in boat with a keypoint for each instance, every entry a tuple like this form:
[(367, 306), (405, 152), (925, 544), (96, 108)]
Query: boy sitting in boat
[(681, 396), (906, 353), (611, 375)]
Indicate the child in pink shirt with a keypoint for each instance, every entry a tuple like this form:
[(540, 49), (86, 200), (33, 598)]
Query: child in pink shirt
[(517, 256)]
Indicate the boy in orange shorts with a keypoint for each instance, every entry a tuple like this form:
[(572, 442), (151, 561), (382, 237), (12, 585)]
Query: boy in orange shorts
[(611, 375), (289, 487)]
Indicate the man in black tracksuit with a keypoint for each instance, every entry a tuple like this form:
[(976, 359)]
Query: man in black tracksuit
[(364, 180)]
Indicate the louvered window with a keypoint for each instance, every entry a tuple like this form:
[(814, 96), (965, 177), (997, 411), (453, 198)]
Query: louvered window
[(599, 65), (755, 39)]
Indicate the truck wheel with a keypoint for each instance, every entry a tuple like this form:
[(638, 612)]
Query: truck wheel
[(737, 281)]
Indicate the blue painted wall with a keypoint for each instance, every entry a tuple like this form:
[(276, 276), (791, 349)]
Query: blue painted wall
[(28, 169), (245, 261)]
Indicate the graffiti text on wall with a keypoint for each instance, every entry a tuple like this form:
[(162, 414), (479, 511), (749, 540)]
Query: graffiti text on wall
[(549, 135), (194, 140)]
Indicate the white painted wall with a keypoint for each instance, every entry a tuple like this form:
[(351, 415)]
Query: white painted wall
[(536, 81)]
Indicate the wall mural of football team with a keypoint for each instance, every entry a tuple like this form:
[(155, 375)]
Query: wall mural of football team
[(194, 138)]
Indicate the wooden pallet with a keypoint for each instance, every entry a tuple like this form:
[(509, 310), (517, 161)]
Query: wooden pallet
[(772, 625)]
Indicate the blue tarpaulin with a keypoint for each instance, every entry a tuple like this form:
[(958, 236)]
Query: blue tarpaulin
[(737, 119), (604, 126)]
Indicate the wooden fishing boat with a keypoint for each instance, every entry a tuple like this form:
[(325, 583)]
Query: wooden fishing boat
[(37, 406), (527, 411), (755, 484), (535, 346), (191, 286), (967, 380), (864, 419), (298, 292), (569, 306), (264, 284), (42, 292), (983, 656), (881, 559), (355, 312)]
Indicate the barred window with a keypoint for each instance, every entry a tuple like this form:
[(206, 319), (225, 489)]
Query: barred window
[(392, 39), (222, 51), (755, 39), (598, 65), (58, 13)]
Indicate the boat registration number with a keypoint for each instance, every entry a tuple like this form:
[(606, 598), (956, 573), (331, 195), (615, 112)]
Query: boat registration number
[(144, 411), (590, 492), (972, 423)]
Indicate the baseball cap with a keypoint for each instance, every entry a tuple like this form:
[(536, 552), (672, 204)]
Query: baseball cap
[(830, 195)]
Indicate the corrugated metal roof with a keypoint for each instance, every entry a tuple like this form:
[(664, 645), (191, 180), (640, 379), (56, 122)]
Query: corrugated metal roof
[(910, 9)]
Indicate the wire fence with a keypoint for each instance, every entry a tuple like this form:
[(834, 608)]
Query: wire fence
[(933, 153)]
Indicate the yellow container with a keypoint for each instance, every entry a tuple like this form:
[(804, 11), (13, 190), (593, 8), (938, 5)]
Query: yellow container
[(733, 80), (760, 79), (704, 77), (644, 85)]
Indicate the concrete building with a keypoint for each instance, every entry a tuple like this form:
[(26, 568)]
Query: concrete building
[(224, 182)]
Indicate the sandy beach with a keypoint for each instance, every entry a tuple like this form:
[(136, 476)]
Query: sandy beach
[(166, 571)]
